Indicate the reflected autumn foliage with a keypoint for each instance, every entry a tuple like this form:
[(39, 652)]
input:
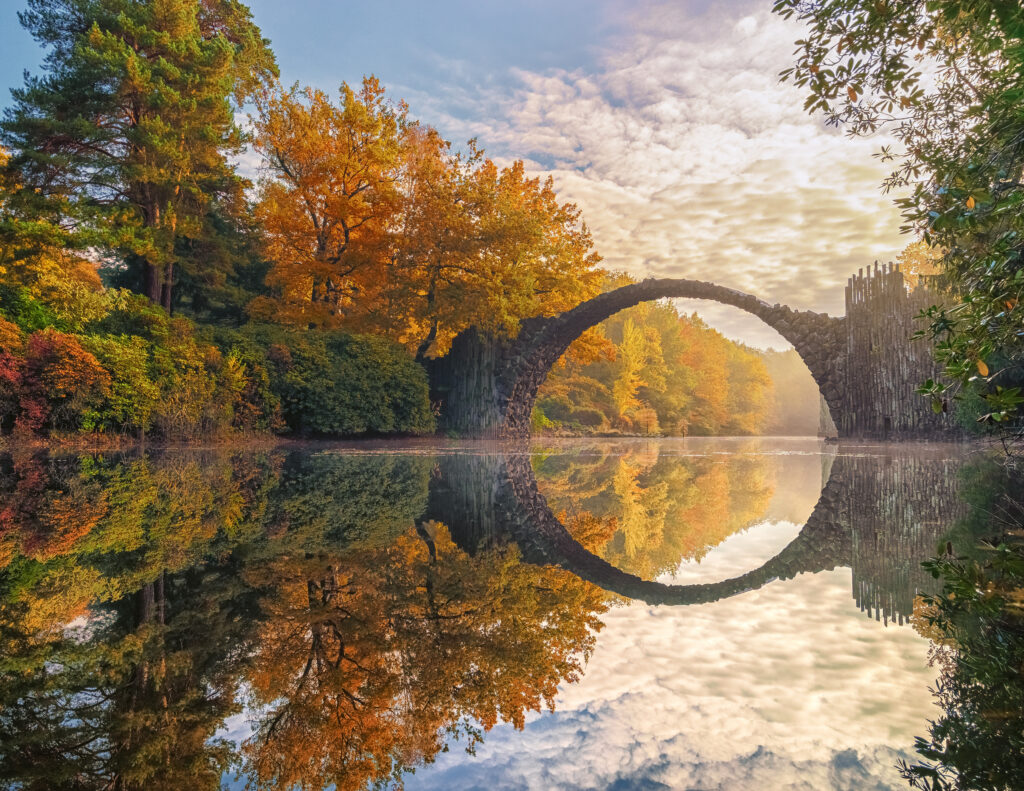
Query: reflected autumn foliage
[(368, 662), (144, 600), (645, 512)]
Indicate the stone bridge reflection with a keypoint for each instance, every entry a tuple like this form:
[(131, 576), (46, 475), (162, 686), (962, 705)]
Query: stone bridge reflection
[(878, 517)]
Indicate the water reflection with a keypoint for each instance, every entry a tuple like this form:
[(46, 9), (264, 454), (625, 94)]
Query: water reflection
[(878, 514), (976, 624), (362, 611), (146, 600)]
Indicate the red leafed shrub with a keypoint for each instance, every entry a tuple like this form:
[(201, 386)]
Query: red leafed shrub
[(62, 383), (11, 365)]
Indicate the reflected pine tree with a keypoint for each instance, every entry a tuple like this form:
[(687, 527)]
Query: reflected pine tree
[(144, 600), (119, 645)]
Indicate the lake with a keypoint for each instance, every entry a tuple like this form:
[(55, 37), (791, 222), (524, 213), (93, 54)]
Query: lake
[(616, 614)]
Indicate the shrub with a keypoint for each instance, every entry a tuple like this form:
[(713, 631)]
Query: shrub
[(11, 369), (332, 383), (256, 406), (135, 368), (556, 407), (587, 417), (11, 337), (62, 385), (539, 422), (133, 396), (27, 312), (186, 409)]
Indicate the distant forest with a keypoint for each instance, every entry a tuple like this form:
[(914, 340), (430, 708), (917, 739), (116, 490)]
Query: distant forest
[(651, 370)]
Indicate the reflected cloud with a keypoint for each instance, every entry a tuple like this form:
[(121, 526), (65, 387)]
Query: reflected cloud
[(787, 687)]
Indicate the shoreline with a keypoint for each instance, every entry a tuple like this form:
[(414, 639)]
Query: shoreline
[(438, 441)]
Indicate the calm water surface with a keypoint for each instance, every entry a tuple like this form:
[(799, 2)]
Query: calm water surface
[(701, 613)]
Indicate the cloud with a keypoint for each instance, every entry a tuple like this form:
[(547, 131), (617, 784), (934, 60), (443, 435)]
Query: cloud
[(787, 687), (690, 159)]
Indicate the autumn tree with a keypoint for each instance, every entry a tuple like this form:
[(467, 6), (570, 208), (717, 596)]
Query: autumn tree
[(129, 128), (375, 224), (751, 391), (436, 245), (329, 199), (650, 370), (919, 260), (536, 255)]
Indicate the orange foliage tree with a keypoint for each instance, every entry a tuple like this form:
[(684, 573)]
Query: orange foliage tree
[(330, 199), (374, 224), (61, 381)]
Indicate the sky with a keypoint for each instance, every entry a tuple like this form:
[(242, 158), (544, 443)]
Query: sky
[(664, 121)]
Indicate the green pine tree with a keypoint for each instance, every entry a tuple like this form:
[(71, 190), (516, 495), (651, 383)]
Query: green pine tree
[(132, 123)]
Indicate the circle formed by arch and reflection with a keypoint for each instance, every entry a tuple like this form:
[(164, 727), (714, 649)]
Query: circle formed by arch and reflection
[(823, 543)]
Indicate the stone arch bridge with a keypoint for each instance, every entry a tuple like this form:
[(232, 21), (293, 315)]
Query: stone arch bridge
[(864, 363)]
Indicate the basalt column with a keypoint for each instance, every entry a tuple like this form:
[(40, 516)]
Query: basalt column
[(884, 367)]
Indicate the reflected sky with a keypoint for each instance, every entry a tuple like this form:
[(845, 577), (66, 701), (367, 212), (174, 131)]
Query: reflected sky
[(420, 580), (789, 686)]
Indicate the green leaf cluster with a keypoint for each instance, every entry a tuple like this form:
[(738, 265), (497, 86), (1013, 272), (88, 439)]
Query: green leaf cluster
[(337, 384), (946, 79)]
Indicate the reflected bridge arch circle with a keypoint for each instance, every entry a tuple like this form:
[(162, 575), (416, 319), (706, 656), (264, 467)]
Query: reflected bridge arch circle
[(823, 543)]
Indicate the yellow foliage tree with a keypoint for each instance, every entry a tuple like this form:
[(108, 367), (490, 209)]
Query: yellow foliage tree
[(330, 199), (919, 259)]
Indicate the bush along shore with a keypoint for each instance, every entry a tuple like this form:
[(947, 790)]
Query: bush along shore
[(129, 372)]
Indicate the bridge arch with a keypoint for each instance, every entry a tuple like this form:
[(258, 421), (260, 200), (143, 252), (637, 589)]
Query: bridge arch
[(823, 543), (819, 339), (489, 387)]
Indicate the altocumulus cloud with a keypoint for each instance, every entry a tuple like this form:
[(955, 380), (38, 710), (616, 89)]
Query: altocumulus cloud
[(690, 159)]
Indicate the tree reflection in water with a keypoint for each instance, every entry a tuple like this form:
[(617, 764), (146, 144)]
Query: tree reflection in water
[(977, 627), (366, 611), (144, 601)]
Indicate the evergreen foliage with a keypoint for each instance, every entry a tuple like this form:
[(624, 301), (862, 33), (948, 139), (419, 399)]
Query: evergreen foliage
[(946, 79)]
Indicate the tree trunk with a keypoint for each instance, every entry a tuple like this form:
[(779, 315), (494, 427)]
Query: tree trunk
[(153, 283), (424, 347), (165, 291)]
